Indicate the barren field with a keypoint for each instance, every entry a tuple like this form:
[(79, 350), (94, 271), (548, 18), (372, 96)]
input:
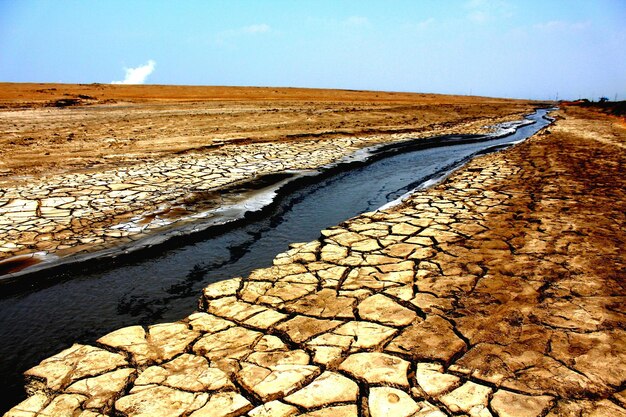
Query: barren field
[(88, 167), (499, 292), (56, 128)]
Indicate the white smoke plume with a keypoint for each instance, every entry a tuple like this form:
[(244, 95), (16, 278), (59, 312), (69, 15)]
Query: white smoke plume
[(137, 75)]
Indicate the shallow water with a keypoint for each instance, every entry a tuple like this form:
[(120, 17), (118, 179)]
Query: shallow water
[(89, 301)]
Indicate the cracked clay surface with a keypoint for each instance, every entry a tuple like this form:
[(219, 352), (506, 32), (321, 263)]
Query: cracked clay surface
[(128, 162), (499, 292)]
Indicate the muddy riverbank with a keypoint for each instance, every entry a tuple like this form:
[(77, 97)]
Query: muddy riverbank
[(73, 304), (494, 293), (161, 156), (201, 211)]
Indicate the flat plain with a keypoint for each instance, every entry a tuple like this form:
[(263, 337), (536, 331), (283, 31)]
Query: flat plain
[(499, 292), (78, 161)]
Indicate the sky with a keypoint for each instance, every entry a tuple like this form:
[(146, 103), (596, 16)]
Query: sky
[(536, 49)]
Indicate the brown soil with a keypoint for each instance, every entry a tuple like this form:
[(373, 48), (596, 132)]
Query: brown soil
[(499, 292), (56, 128)]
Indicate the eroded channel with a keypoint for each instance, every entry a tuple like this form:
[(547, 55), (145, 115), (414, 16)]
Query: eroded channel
[(86, 301)]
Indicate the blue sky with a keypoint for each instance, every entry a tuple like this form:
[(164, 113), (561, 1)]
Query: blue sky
[(505, 48)]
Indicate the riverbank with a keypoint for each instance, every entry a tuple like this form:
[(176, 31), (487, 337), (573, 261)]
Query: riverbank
[(227, 207), (498, 292), (116, 164), (78, 303)]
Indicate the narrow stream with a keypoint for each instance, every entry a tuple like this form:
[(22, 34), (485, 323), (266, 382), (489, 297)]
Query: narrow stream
[(84, 303)]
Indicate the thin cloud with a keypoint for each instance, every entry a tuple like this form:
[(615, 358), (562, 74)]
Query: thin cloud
[(257, 29), (560, 25), (481, 11), (254, 29), (424, 24), (478, 16), (137, 75), (420, 26), (357, 21)]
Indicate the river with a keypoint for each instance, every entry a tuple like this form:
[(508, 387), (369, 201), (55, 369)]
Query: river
[(82, 303)]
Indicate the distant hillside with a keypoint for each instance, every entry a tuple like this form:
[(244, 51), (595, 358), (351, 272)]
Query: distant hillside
[(614, 108)]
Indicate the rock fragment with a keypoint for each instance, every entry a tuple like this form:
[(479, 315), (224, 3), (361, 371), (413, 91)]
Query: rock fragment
[(377, 368), (433, 380), (232, 343), (273, 409), (470, 398), (101, 391), (160, 343), (275, 381), (224, 404), (187, 373), (301, 328), (329, 388), (432, 339), (79, 361), (386, 401), (336, 411), (384, 310), (510, 404), (157, 401)]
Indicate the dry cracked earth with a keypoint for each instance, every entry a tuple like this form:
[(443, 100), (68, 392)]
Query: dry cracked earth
[(499, 292), (127, 161)]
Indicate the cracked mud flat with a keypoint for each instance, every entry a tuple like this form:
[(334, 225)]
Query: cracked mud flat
[(497, 293), (128, 162)]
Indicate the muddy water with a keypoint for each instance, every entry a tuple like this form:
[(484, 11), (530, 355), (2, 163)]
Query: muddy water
[(86, 302)]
